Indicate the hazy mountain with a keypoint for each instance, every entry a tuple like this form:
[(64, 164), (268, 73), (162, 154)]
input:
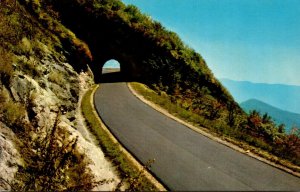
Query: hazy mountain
[(286, 97), (280, 116)]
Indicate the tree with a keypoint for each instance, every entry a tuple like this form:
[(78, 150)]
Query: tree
[(266, 119), (6, 68), (281, 128), (231, 115), (215, 110)]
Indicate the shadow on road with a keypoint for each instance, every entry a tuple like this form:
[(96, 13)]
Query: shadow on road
[(113, 76)]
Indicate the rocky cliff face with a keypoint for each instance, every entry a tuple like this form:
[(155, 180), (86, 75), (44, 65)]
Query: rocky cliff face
[(43, 140), (9, 157)]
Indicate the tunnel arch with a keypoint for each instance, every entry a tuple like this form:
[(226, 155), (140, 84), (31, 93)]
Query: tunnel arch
[(143, 56), (130, 70), (146, 51), (111, 72)]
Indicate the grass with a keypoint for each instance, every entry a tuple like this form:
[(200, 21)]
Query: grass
[(165, 102), (57, 78), (113, 150), (227, 133)]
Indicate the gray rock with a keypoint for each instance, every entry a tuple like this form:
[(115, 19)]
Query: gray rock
[(9, 157)]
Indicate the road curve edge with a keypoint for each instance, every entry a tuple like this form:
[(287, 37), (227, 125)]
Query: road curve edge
[(130, 157)]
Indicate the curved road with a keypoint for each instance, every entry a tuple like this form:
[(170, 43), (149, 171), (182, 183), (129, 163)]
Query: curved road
[(184, 159)]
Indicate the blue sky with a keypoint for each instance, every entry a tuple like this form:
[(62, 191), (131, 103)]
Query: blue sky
[(252, 40), (112, 64)]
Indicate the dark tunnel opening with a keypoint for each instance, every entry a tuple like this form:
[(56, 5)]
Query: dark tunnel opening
[(112, 72)]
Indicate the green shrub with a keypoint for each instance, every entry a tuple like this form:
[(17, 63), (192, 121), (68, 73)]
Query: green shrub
[(31, 67), (12, 113), (52, 162), (56, 77), (4, 96), (6, 68)]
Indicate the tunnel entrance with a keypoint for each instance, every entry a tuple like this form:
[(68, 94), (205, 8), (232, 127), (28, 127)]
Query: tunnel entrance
[(111, 66), (111, 72)]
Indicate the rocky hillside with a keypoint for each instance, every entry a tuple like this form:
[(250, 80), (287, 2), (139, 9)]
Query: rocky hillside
[(42, 145)]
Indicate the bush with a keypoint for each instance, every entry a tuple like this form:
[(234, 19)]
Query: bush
[(4, 96), (52, 162), (56, 77), (31, 67), (12, 113), (6, 68)]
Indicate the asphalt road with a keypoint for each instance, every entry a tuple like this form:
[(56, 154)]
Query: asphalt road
[(184, 159)]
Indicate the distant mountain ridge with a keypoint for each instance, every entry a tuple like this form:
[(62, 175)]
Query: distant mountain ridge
[(280, 116), (286, 97)]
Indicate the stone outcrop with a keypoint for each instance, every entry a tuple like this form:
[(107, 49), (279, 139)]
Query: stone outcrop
[(46, 86), (9, 157)]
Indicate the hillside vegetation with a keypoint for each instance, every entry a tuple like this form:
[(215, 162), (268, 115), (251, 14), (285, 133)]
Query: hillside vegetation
[(289, 119)]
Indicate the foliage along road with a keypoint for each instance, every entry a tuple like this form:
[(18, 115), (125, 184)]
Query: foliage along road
[(184, 159)]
